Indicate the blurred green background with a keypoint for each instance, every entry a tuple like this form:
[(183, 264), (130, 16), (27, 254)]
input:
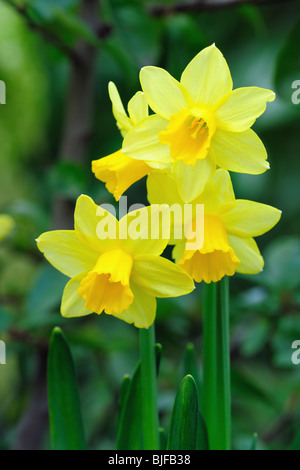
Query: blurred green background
[(56, 59)]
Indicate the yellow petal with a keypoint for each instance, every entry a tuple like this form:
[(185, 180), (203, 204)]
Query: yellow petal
[(242, 152), (218, 195), (106, 286), (161, 188), (124, 123), (6, 225), (119, 172), (90, 221), (160, 277), (64, 250), (138, 107), (248, 253), (142, 310), (207, 77), (145, 230), (142, 142), (191, 180), (243, 107), (165, 95), (250, 219), (72, 304)]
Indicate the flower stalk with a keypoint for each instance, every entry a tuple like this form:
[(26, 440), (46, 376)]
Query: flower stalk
[(149, 389), (216, 365)]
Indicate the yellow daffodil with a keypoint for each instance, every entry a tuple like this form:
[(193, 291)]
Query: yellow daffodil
[(199, 122), (118, 171), (119, 273), (6, 226), (229, 227)]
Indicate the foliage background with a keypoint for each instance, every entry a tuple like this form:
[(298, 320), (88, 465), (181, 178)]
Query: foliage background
[(40, 181)]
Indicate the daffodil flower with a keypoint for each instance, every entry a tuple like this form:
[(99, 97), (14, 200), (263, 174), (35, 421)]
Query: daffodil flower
[(229, 227), (118, 171), (115, 273), (199, 122), (6, 226)]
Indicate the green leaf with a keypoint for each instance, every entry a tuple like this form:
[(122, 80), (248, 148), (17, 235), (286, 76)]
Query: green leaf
[(130, 424), (254, 442), (190, 367), (66, 427), (163, 439), (202, 435), (184, 420), (124, 390)]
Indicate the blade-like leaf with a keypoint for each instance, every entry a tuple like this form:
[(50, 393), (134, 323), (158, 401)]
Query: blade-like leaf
[(184, 421), (66, 426), (124, 390), (202, 435), (130, 423), (162, 439), (254, 442)]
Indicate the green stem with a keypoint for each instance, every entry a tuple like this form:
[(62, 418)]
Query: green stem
[(216, 365), (149, 389), (209, 350)]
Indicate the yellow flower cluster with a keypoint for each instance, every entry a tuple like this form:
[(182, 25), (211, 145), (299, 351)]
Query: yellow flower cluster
[(200, 129)]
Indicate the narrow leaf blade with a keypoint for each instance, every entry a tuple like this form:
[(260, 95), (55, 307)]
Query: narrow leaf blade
[(184, 421), (66, 427)]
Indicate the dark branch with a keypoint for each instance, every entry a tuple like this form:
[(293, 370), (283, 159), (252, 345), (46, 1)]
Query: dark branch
[(101, 30), (206, 5), (47, 35)]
